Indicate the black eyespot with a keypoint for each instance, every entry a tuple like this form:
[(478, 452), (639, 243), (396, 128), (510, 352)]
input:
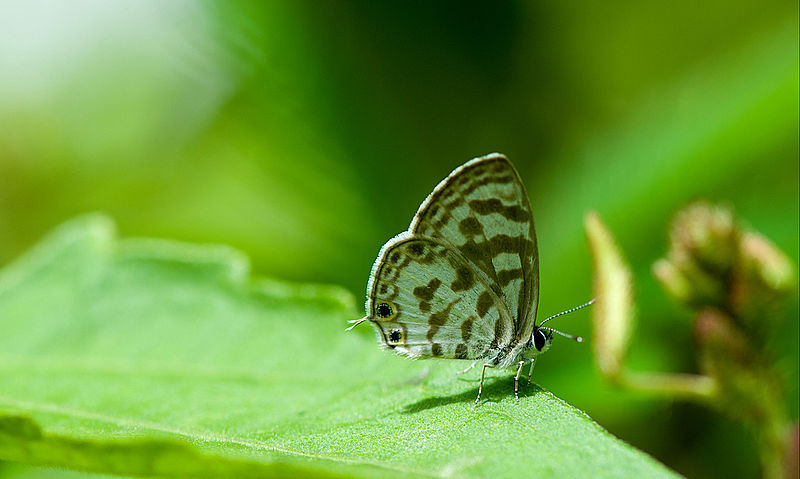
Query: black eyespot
[(539, 339), (395, 335), (383, 310)]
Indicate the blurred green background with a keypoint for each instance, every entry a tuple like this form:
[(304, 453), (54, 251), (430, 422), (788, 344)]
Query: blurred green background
[(307, 133)]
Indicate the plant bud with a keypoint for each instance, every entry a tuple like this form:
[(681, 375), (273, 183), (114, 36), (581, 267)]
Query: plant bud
[(764, 276), (613, 314), (706, 235)]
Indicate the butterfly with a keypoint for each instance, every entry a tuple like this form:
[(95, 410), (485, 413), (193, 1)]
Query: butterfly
[(463, 281)]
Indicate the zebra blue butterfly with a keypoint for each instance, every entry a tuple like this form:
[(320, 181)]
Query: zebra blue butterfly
[(463, 281)]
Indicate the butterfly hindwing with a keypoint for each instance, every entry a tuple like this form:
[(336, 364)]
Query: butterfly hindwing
[(427, 301), (482, 211)]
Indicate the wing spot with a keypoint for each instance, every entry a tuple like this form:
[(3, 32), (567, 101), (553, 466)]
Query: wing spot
[(493, 205), (426, 292), (470, 226), (458, 201), (438, 319), (436, 349), (466, 330), (441, 222), (461, 351), (507, 275), (425, 306), (417, 249), (477, 253), (506, 244), (485, 301), (384, 310), (485, 181), (464, 279)]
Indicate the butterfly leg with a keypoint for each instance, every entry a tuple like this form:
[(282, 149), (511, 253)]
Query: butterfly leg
[(469, 368), (530, 373), (516, 380), (480, 387)]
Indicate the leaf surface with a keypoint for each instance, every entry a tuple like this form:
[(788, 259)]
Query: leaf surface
[(151, 357)]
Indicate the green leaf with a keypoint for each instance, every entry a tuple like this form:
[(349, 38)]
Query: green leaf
[(10, 470), (148, 357)]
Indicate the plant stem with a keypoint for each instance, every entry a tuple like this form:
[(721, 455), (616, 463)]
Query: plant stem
[(687, 386)]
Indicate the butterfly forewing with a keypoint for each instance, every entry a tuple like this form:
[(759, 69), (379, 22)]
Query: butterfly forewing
[(482, 211), (428, 301)]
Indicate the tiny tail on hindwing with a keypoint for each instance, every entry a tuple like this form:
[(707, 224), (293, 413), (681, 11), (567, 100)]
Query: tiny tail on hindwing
[(356, 322)]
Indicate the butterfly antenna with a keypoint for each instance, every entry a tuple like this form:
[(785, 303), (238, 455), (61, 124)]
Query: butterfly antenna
[(356, 322), (577, 339), (562, 313)]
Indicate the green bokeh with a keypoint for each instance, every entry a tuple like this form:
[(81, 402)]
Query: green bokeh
[(307, 133)]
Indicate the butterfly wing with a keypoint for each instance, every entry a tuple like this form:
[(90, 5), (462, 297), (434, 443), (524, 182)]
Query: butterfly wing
[(482, 211), (427, 301)]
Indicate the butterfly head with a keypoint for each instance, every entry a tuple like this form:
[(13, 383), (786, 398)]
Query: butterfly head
[(542, 339)]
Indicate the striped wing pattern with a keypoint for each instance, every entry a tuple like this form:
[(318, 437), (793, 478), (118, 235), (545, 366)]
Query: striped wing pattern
[(462, 282), (483, 211), (427, 301)]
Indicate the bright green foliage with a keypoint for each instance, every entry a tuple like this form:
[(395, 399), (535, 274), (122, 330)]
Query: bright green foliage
[(10, 470), (147, 357)]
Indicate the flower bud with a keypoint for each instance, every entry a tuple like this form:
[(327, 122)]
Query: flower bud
[(706, 235), (764, 276), (613, 314), (703, 246)]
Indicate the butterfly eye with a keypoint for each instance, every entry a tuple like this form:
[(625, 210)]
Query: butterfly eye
[(539, 339), (395, 335), (384, 310)]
